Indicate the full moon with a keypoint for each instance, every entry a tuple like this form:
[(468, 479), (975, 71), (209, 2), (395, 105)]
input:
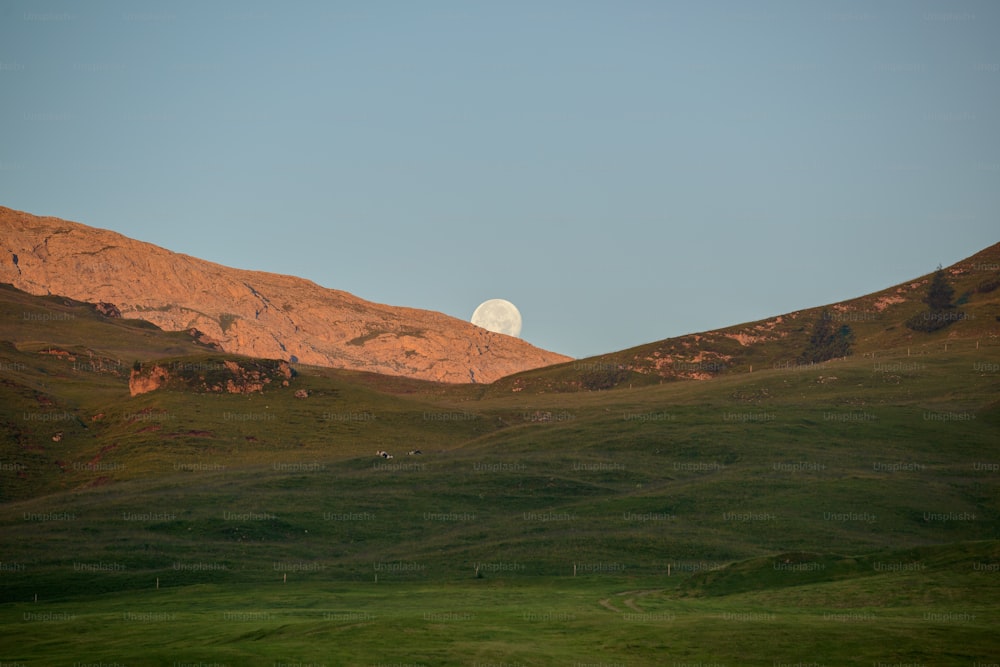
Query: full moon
[(498, 316)]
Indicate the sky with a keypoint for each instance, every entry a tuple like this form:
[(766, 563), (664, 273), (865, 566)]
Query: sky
[(622, 171)]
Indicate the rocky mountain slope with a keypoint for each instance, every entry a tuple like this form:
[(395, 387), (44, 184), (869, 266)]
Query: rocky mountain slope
[(259, 314), (878, 322)]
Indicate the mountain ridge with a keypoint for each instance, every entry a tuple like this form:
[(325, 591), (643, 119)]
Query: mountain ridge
[(255, 313), (877, 318)]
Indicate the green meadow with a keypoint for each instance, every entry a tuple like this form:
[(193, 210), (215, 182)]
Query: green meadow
[(838, 513)]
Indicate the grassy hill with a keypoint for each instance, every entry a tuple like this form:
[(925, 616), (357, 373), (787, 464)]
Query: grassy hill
[(786, 513), (877, 319)]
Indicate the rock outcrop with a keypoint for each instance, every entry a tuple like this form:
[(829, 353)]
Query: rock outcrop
[(258, 314), (247, 376)]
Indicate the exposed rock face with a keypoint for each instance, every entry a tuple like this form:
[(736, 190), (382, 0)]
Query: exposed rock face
[(245, 377), (108, 309), (140, 382), (258, 314)]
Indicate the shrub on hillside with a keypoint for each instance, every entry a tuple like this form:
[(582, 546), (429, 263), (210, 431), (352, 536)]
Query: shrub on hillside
[(988, 285), (603, 379), (827, 341), (940, 309)]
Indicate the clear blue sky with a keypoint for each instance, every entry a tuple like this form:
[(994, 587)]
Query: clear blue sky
[(621, 171)]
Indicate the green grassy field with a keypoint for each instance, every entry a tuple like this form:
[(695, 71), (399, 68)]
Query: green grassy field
[(931, 606), (840, 513)]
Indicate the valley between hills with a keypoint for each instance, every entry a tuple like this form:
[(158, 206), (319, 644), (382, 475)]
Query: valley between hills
[(175, 489)]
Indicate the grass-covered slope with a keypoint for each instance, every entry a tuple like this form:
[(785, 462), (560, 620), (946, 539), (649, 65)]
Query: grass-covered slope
[(877, 320), (741, 519)]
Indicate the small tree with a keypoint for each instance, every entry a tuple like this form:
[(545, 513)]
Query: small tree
[(940, 293), (827, 341), (940, 309)]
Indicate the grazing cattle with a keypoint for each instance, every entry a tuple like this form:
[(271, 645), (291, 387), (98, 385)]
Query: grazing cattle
[(414, 452), (383, 454)]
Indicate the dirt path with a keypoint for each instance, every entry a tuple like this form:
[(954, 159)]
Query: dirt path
[(629, 601), (606, 603)]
